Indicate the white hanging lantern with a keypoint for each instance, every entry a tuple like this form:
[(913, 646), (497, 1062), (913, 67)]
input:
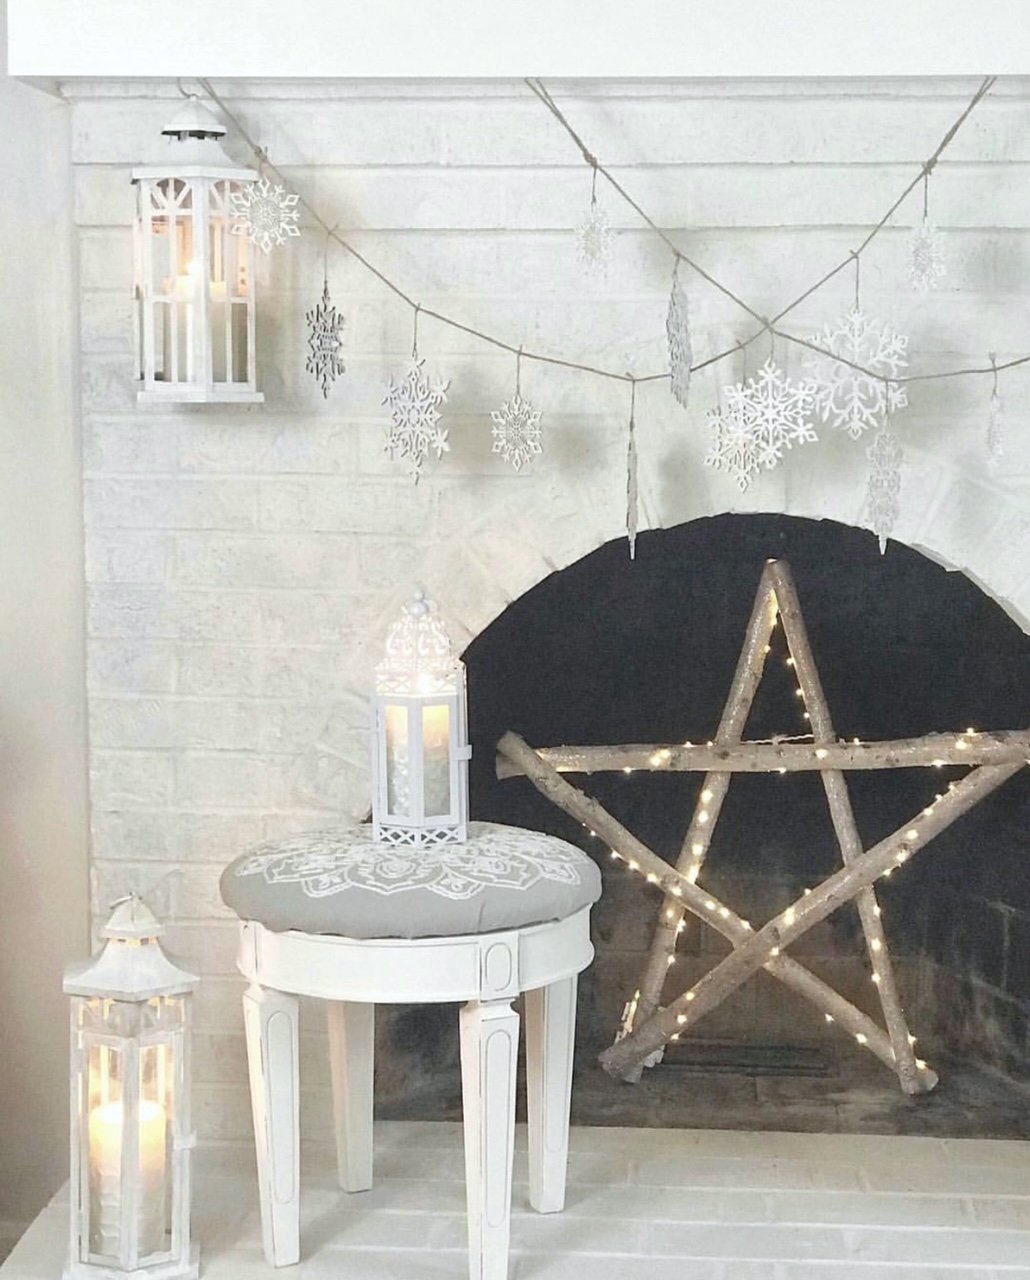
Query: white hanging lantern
[(194, 283), (130, 1108), (420, 749)]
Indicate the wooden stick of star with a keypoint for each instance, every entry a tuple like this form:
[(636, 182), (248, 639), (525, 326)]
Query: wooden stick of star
[(704, 905), (797, 919), (845, 827), (746, 679), (967, 748)]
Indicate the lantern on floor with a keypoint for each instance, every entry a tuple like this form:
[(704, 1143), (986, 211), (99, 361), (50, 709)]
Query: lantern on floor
[(194, 284), (420, 749), (130, 1114)]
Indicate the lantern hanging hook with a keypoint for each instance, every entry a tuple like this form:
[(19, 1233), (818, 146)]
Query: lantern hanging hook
[(185, 92)]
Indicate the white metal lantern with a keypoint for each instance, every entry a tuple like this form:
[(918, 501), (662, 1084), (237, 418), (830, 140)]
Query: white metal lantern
[(194, 284), (130, 1108), (420, 749)]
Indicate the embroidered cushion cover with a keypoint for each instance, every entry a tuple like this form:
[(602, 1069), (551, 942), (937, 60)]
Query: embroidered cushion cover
[(341, 881)]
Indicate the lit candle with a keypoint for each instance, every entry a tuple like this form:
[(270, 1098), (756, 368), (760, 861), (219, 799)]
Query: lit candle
[(107, 1178)]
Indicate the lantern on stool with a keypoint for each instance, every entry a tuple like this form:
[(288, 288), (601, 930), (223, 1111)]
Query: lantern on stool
[(194, 285), (420, 749), (130, 1114)]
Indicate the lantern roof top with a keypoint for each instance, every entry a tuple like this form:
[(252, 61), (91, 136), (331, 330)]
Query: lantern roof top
[(194, 120), (131, 965), (193, 148), (418, 658)]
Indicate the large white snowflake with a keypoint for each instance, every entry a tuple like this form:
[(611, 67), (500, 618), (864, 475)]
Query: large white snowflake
[(845, 397), (736, 447), (324, 342), (267, 215), (926, 265), (883, 495), (414, 431), (516, 431), (761, 418), (677, 329)]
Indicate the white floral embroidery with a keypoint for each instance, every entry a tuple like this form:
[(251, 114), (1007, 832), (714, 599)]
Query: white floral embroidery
[(334, 860)]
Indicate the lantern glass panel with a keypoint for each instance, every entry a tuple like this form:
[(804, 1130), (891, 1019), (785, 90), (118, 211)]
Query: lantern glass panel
[(436, 758), (398, 760)]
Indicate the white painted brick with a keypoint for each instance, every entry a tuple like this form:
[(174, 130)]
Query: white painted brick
[(313, 504), (129, 444), (105, 321), (175, 837), (130, 666), (180, 503), (227, 780), (129, 779), (107, 382), (254, 443), (129, 557), (189, 892), (294, 560), (138, 612), (220, 670), (219, 615)]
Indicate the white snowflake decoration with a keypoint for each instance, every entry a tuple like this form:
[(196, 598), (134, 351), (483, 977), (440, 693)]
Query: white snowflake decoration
[(677, 328), (762, 417), (995, 432), (735, 448), (927, 266), (594, 239), (325, 324), (883, 495), (414, 431), (848, 399), (516, 431), (267, 215)]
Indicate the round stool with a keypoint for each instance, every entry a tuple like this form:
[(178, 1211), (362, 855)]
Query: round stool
[(356, 922)]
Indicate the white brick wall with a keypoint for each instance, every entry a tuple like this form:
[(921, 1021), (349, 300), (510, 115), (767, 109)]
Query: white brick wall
[(242, 565)]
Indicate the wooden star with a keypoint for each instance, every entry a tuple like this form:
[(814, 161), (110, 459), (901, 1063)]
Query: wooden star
[(648, 1026)]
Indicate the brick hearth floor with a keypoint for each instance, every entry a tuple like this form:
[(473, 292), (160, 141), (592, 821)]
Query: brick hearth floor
[(657, 1204)]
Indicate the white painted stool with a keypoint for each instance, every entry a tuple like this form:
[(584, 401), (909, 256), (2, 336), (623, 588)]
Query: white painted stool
[(345, 878)]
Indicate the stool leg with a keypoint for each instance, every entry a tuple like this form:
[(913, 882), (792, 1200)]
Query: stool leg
[(270, 1019), (489, 1055), (550, 1036), (351, 1053)]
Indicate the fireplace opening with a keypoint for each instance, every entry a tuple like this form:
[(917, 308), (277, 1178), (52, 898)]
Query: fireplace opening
[(608, 652)]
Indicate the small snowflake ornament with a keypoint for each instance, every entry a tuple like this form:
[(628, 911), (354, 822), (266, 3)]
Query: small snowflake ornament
[(926, 264), (324, 342), (594, 235), (516, 431), (266, 215), (414, 432), (883, 495), (845, 397), (677, 329)]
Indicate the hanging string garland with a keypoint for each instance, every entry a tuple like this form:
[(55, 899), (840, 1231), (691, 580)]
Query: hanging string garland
[(995, 424), (267, 215), (594, 234), (414, 403), (927, 266), (632, 489), (883, 495), (677, 329), (516, 426), (846, 397), (325, 325)]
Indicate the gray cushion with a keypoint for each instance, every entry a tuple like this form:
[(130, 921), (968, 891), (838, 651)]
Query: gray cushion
[(341, 881)]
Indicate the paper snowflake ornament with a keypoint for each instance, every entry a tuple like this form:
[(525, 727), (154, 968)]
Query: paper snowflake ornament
[(995, 432), (846, 398), (926, 264), (677, 328), (516, 431), (761, 419), (735, 448), (325, 324), (266, 215), (594, 239), (414, 431), (883, 495)]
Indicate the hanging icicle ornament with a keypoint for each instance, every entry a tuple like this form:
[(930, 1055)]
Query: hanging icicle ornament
[(414, 402), (632, 490), (594, 234), (883, 495), (516, 425), (926, 266), (267, 215), (853, 399), (325, 325), (677, 329), (761, 418), (995, 424)]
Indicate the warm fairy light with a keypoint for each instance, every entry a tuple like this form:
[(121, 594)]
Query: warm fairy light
[(807, 716), (688, 745), (774, 951), (903, 856), (861, 1038), (790, 662), (768, 648), (876, 979), (689, 996), (876, 912), (781, 770), (724, 912), (615, 855), (681, 1018), (911, 834), (806, 892), (961, 744), (911, 1040), (921, 1064), (876, 944), (706, 795), (693, 873), (798, 693), (627, 769), (697, 849), (821, 753), (789, 916), (703, 817), (971, 732), (670, 961), (675, 889), (828, 1017), (670, 915), (652, 878), (634, 865), (937, 764), (681, 926), (709, 904)]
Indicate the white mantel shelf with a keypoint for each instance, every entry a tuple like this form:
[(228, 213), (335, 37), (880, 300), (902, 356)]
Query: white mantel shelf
[(62, 39)]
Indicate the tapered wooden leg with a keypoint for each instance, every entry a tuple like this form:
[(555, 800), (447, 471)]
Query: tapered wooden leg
[(351, 1054), (550, 1036), (489, 1054), (270, 1019)]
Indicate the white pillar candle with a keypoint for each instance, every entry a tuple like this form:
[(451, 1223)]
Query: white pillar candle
[(106, 1177)]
